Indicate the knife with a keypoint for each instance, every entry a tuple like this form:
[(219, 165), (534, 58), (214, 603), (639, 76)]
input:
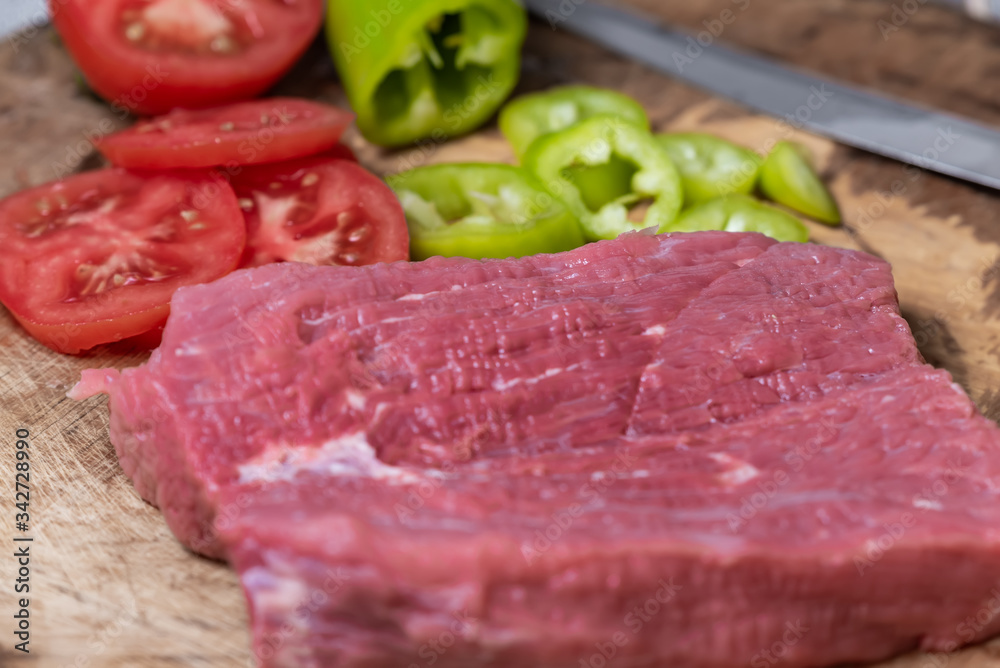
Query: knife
[(869, 121), (982, 10)]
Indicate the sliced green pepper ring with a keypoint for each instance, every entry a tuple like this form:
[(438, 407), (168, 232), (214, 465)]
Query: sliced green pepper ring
[(741, 213), (613, 175), (434, 68), (482, 211), (711, 167), (789, 179), (532, 116)]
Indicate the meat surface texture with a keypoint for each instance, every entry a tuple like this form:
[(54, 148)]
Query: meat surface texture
[(704, 450)]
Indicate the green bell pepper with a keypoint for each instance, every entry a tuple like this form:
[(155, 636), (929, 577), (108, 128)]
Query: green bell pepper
[(789, 179), (741, 213), (482, 211), (532, 116), (711, 167), (612, 174), (433, 68)]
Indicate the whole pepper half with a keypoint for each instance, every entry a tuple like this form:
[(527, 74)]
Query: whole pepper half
[(415, 69)]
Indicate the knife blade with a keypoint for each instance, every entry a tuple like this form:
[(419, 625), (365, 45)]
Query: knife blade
[(982, 10), (931, 140)]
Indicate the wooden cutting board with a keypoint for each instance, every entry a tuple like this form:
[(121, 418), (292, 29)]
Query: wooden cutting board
[(110, 585)]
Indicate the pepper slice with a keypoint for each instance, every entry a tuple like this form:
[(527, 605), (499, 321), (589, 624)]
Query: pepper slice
[(532, 116), (435, 68), (482, 211), (711, 167), (741, 213), (789, 179), (612, 174)]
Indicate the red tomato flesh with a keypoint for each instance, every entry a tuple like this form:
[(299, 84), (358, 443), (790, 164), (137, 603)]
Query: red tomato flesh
[(239, 134), (151, 56), (97, 257), (320, 211)]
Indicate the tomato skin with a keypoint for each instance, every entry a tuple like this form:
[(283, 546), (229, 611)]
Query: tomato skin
[(151, 82), (97, 257), (321, 200), (245, 133), (75, 338)]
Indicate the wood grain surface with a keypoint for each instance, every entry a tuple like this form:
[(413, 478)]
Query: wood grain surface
[(112, 588)]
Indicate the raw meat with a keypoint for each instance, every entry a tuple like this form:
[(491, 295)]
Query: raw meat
[(701, 450)]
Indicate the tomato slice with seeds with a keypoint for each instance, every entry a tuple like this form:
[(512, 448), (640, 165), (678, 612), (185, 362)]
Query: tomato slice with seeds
[(246, 133), (320, 211), (97, 257), (151, 56)]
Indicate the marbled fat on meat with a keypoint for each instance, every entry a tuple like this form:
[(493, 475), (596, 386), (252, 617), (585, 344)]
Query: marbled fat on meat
[(701, 450)]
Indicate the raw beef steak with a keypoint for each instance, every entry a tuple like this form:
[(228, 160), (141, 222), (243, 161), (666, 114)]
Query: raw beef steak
[(703, 450)]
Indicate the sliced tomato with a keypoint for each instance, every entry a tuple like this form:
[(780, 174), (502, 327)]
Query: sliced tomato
[(320, 211), (97, 257), (151, 56), (246, 133)]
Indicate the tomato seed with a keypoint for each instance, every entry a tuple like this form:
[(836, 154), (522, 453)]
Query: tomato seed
[(246, 204), (135, 31), (227, 127), (358, 235), (310, 179), (189, 215), (223, 44)]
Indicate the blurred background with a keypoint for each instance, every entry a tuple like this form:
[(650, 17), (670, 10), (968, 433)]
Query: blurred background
[(18, 14)]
